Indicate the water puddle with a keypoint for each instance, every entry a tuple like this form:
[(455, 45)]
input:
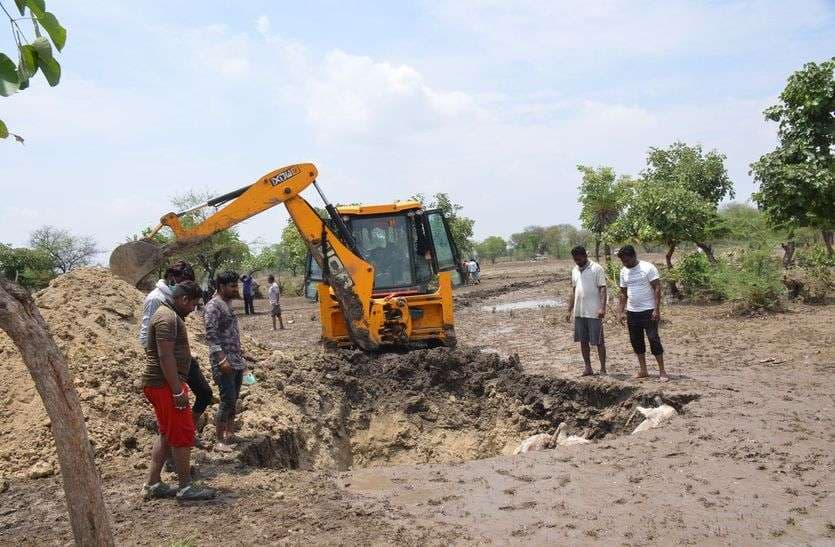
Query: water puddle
[(524, 305)]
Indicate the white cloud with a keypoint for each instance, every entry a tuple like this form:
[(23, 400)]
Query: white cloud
[(262, 24)]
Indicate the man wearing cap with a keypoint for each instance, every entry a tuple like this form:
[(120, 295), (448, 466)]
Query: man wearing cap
[(640, 294), (168, 358)]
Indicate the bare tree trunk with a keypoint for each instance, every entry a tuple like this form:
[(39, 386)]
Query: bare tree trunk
[(597, 250), (22, 321), (788, 252), (829, 240), (669, 256), (708, 249), (607, 250)]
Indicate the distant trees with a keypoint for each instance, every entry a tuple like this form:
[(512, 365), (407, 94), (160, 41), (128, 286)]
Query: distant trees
[(556, 240), (797, 180), (30, 268), (492, 248), (64, 250)]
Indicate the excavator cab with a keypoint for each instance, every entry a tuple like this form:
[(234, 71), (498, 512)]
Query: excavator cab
[(415, 265)]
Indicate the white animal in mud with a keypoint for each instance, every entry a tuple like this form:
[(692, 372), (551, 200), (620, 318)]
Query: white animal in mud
[(544, 441), (655, 417)]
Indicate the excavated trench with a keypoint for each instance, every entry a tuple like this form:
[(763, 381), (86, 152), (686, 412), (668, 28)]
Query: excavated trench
[(438, 405)]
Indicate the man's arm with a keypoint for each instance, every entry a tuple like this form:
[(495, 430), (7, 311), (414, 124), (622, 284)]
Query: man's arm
[(151, 306), (570, 305), (622, 303), (601, 292), (656, 289), (211, 320)]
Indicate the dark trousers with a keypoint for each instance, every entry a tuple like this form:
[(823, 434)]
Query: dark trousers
[(229, 386), (638, 323), (199, 387), (249, 308)]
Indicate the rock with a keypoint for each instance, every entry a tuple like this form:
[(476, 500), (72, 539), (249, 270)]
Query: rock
[(4, 485), (40, 470), (278, 495)]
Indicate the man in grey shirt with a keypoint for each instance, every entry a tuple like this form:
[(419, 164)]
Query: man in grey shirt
[(226, 358)]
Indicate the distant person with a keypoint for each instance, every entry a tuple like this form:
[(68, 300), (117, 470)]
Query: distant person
[(465, 272), (588, 307), (225, 355), (474, 271), (246, 281), (178, 272), (640, 294), (164, 385), (274, 293)]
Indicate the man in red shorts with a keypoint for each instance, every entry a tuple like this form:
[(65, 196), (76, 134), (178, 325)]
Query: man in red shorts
[(164, 384)]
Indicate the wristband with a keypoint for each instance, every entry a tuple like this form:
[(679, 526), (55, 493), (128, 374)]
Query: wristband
[(225, 359), (181, 393)]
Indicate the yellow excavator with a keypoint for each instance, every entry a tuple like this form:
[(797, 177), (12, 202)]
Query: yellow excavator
[(383, 274)]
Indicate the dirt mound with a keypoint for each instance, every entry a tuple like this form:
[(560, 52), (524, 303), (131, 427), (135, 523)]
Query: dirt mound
[(469, 298)]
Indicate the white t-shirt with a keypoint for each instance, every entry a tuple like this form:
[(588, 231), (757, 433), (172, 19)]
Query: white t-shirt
[(273, 293), (636, 280), (587, 283), (153, 300), (472, 267)]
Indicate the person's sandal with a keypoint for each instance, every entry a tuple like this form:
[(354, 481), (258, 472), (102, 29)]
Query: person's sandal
[(158, 491), (195, 492)]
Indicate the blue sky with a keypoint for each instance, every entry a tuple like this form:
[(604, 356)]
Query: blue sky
[(493, 102)]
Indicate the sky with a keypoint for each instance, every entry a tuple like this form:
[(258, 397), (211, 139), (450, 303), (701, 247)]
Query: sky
[(493, 102)]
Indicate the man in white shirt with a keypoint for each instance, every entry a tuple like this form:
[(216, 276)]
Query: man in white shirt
[(588, 307), (474, 271), (640, 294), (273, 294)]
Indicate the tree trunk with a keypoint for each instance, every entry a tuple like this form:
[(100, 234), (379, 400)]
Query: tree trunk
[(607, 250), (708, 249), (788, 252), (597, 250), (829, 240), (669, 257), (22, 321)]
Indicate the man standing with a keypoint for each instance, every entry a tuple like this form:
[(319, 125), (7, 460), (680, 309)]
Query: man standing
[(178, 272), (588, 307), (164, 384), (225, 354), (275, 306), (640, 294), (474, 271), (246, 281)]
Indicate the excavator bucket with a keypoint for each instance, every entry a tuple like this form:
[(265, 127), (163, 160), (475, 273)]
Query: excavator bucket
[(134, 260)]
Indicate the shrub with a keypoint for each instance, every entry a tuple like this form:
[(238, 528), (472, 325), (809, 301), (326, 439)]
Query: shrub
[(811, 279), (754, 282), (700, 280)]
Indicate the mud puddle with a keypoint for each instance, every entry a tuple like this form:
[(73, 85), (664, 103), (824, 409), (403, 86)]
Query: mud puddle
[(427, 406), (525, 305)]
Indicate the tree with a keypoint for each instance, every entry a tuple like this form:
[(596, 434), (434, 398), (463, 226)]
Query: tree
[(292, 251), (30, 268), (20, 318), (32, 56), (703, 174), (744, 222), (602, 200), (65, 250), (492, 248), (222, 251), (797, 180), (667, 212), (529, 242), (460, 226)]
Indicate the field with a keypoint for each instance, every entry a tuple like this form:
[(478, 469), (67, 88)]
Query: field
[(414, 449)]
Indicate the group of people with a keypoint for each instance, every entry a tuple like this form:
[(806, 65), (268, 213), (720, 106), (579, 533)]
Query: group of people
[(640, 298), (173, 376), (472, 271)]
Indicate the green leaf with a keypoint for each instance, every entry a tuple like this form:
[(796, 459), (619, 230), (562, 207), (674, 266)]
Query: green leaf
[(37, 7), (9, 78), (21, 6), (46, 62), (28, 64), (8, 70), (58, 33), (4, 131)]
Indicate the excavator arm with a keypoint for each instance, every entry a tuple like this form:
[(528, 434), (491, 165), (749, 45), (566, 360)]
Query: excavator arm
[(350, 277)]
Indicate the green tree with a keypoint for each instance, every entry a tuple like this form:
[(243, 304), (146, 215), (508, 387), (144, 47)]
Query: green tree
[(797, 180), (745, 222), (529, 242), (701, 173), (492, 248), (666, 212), (222, 251), (602, 201), (64, 250), (31, 268), (31, 56), (460, 226), (292, 250)]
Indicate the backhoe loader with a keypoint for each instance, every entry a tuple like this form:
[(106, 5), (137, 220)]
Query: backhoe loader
[(383, 274)]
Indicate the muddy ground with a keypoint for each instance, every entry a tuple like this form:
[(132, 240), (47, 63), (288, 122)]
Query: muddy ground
[(344, 449)]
